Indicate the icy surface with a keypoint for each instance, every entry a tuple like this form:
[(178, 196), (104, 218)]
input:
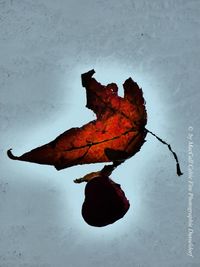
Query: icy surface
[(44, 48)]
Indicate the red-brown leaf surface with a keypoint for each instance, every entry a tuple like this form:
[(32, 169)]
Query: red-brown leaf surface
[(116, 134)]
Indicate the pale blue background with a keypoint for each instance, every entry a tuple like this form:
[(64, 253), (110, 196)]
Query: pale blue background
[(45, 45)]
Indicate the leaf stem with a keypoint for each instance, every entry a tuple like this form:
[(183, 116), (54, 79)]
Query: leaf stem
[(178, 169)]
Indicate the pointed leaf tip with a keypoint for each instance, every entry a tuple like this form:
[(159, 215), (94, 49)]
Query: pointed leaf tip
[(10, 154)]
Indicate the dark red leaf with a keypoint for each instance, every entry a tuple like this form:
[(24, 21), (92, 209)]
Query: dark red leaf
[(105, 202)]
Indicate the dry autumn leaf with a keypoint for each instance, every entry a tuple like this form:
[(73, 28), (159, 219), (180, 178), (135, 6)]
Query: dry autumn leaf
[(117, 133)]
